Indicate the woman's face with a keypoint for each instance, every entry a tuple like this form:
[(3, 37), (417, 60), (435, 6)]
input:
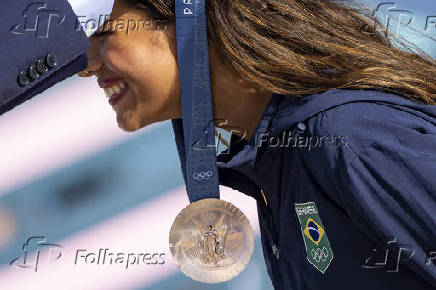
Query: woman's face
[(138, 70)]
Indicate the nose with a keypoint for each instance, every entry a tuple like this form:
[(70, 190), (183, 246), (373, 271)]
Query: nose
[(94, 61)]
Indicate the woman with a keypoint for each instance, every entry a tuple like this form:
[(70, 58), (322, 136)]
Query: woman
[(335, 131)]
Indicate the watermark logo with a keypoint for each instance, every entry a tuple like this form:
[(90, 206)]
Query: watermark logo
[(37, 252), (388, 254), (430, 23), (393, 19), (106, 257), (106, 24), (289, 139), (52, 252), (37, 20), (430, 258), (394, 13), (205, 142)]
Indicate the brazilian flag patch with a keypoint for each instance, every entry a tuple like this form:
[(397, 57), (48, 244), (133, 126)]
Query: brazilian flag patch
[(318, 250)]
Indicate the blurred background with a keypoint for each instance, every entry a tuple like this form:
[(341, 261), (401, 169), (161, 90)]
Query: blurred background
[(70, 177)]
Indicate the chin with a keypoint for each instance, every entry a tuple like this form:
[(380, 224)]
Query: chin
[(132, 125), (127, 128), (127, 125)]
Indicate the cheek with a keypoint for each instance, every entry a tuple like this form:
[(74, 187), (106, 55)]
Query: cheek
[(118, 60), (152, 74), (155, 70), (143, 65)]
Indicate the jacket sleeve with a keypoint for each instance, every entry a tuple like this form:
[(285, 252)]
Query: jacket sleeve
[(385, 179), (41, 43)]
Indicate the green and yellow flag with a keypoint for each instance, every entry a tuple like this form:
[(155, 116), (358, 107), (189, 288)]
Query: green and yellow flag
[(318, 250)]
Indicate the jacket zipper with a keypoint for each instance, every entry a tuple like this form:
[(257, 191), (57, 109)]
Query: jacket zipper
[(272, 238), (268, 223)]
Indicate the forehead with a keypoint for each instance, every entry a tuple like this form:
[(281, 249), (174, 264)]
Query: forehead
[(122, 12)]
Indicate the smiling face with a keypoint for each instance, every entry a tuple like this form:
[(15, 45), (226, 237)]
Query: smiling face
[(137, 69)]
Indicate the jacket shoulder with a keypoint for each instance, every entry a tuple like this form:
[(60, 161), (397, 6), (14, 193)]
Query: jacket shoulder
[(384, 177), (364, 124)]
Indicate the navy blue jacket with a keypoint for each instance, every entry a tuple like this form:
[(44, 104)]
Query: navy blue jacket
[(345, 183), (41, 43)]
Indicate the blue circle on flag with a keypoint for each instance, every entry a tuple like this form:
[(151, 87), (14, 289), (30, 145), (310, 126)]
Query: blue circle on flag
[(313, 231)]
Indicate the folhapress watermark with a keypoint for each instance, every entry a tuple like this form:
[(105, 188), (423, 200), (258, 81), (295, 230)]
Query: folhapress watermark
[(289, 139), (38, 253), (39, 19), (105, 24), (388, 254), (107, 257)]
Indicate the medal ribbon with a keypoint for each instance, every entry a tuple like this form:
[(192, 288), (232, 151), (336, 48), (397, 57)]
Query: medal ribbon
[(195, 133)]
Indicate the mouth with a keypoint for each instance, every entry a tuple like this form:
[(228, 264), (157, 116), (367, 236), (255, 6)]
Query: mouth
[(116, 91)]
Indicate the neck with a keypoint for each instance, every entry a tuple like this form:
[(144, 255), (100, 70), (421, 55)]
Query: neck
[(238, 107), (240, 113)]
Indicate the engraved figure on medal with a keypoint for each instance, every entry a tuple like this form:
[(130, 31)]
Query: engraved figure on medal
[(211, 243)]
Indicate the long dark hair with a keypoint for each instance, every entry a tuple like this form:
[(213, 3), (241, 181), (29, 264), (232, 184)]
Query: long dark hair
[(298, 47)]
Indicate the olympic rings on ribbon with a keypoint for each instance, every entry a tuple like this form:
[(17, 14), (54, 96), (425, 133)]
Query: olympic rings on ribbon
[(202, 175)]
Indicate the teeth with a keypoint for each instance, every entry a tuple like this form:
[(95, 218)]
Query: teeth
[(114, 90)]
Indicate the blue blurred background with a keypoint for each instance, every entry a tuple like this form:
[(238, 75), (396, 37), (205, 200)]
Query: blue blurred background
[(69, 174)]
